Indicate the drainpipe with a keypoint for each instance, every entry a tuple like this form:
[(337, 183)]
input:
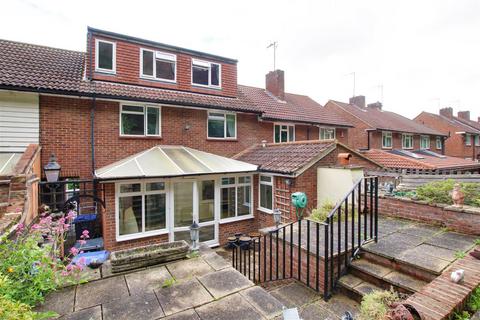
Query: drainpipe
[(94, 102), (368, 140)]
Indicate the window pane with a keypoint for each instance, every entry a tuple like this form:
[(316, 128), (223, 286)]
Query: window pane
[(216, 128), (132, 124), (215, 70), (153, 121), (227, 203), (130, 215), (183, 204), (206, 200), (290, 133), (244, 180), (266, 196), (277, 134), (105, 55), (156, 186), (206, 233), (226, 181), (230, 125), (243, 202), (131, 187), (266, 178), (147, 63), (283, 136), (200, 75), (132, 109), (165, 70), (155, 211)]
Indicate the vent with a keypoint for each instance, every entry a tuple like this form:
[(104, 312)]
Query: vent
[(406, 153), (431, 153)]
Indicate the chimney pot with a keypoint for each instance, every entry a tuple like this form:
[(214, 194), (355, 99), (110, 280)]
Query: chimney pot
[(359, 101), (375, 105), (446, 112), (344, 159), (275, 83), (465, 115)]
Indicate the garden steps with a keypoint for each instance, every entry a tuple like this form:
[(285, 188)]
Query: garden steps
[(355, 287)]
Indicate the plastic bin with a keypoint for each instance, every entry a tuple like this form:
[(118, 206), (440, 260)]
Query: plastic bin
[(87, 222)]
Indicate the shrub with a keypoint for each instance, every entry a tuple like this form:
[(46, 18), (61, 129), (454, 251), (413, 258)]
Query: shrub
[(441, 192), (14, 310), (320, 214), (375, 305)]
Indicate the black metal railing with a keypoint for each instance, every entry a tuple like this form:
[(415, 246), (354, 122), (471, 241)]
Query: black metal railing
[(360, 203)]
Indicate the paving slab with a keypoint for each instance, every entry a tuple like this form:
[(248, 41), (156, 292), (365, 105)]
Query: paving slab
[(189, 268), (185, 315), (182, 296), (452, 240), (224, 282), (98, 292), (295, 295), (90, 274), (145, 307), (231, 307), (420, 230), (429, 263), (60, 301), (391, 249), (263, 301), (339, 304), (315, 311), (405, 281), (371, 268), (434, 251), (215, 261), (94, 313), (410, 239), (146, 280)]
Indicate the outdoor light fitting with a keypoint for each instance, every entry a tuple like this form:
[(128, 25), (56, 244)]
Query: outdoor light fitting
[(194, 235), (277, 216), (52, 169)]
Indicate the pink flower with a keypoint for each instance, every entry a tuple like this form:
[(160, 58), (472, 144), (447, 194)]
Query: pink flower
[(71, 215), (81, 261), (36, 227), (82, 242), (74, 251), (85, 234)]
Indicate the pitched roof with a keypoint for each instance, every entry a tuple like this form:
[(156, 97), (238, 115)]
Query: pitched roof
[(454, 121), (397, 161), (296, 108), (471, 123), (386, 120)]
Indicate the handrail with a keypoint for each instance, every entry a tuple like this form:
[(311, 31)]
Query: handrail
[(339, 203)]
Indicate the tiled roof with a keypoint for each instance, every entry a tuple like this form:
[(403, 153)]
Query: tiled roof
[(386, 120), (457, 122), (296, 107), (390, 160), (471, 123)]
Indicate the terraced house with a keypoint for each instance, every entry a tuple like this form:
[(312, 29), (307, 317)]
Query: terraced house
[(157, 126)]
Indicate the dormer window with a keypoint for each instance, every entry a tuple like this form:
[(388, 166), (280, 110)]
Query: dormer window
[(206, 73), (387, 140), (424, 142), (105, 60), (407, 141), (158, 65), (327, 133)]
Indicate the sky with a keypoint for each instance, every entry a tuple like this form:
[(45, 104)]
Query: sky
[(410, 55)]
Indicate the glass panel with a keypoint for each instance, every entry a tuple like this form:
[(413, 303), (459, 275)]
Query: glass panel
[(183, 203), (207, 233), (227, 203), (206, 200), (266, 196), (277, 134), (165, 70), (230, 125), (132, 109), (105, 55), (283, 136), (244, 180), (155, 211), (243, 202), (266, 178), (155, 186), (200, 75), (226, 181), (147, 63), (216, 128), (133, 124), (183, 235), (153, 121), (290, 133), (130, 215), (215, 74), (131, 187)]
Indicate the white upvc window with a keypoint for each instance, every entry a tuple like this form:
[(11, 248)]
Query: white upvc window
[(468, 139), (158, 65), (283, 132), (105, 56), (140, 120), (207, 74), (327, 133), (477, 140), (141, 209), (265, 193), (221, 125), (424, 142), (236, 195), (407, 141), (387, 141), (438, 143)]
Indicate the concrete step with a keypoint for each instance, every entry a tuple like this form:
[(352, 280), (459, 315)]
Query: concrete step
[(355, 287)]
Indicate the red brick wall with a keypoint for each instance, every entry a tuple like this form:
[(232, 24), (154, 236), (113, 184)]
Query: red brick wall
[(457, 220), (128, 69)]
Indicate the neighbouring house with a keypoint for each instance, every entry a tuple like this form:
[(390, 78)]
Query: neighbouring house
[(397, 142), (463, 134), (157, 126)]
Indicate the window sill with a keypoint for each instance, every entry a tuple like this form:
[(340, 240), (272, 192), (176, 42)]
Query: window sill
[(140, 137), (106, 72), (223, 139), (235, 219), (141, 235), (155, 80), (265, 210), (387, 148), (201, 86)]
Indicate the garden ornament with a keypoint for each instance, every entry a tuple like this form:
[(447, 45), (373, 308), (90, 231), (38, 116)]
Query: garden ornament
[(457, 275), (347, 316), (476, 254), (458, 196), (299, 201)]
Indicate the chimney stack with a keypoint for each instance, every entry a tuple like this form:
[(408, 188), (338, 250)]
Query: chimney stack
[(478, 119), (376, 105), (447, 112), (359, 101), (465, 115), (275, 83)]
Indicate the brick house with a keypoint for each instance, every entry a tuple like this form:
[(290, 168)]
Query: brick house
[(463, 134), (134, 104)]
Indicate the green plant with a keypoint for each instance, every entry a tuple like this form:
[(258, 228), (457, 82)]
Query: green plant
[(169, 282), (464, 315), (440, 192), (474, 301), (320, 214), (375, 305), (193, 254), (477, 242), (460, 254), (15, 310)]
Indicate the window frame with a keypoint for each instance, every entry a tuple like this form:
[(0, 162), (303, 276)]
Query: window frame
[(272, 184), (224, 125), (288, 125), (325, 129), (404, 136), (154, 76), (114, 57), (437, 140), (468, 139), (145, 119), (476, 140), (143, 193), (209, 85), (385, 134), (427, 147), (236, 185)]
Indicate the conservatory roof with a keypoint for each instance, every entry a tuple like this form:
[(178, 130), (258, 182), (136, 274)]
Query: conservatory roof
[(171, 161)]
